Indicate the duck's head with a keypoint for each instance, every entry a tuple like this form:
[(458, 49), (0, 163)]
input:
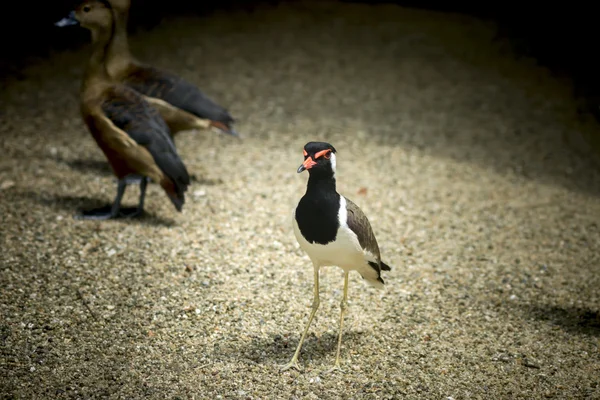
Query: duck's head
[(319, 158), (90, 14)]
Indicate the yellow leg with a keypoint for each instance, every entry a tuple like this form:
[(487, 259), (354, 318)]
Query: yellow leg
[(343, 308), (315, 306)]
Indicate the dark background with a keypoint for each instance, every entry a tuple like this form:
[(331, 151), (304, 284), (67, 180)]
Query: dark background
[(562, 36)]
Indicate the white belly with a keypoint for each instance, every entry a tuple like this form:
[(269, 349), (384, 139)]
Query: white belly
[(345, 252)]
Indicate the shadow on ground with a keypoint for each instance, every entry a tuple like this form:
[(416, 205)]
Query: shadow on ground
[(279, 348), (102, 168), (567, 158), (96, 167), (76, 204), (575, 320)]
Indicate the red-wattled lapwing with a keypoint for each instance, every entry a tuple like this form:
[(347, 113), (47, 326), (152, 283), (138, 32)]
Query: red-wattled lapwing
[(332, 230)]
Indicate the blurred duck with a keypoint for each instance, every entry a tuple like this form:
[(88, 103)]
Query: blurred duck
[(182, 105), (131, 133)]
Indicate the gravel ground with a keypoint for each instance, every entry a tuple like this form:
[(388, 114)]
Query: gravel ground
[(470, 164)]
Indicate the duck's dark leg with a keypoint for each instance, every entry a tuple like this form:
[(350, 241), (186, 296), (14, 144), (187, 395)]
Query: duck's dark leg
[(129, 212), (106, 212), (143, 185)]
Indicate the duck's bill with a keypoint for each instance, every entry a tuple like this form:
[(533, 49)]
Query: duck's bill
[(67, 21)]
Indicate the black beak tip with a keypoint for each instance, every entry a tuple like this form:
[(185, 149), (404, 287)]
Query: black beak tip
[(300, 169)]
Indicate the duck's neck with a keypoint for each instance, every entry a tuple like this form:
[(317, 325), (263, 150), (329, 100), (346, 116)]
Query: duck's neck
[(321, 183), (118, 55), (95, 71)]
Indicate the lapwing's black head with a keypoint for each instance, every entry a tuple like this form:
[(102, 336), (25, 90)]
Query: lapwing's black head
[(319, 158)]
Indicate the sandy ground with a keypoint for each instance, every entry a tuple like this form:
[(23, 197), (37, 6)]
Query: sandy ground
[(468, 162)]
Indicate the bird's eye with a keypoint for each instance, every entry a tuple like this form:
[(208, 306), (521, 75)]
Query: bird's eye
[(327, 155), (86, 9)]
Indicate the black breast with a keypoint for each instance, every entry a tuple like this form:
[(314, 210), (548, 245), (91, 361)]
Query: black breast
[(317, 217)]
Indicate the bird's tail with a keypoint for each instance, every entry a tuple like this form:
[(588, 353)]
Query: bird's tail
[(225, 128), (175, 192), (374, 276)]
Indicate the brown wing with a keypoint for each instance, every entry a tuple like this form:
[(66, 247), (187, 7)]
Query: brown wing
[(359, 224), (131, 114), (177, 119), (174, 90), (123, 154)]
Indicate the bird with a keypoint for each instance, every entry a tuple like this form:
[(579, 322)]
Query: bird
[(333, 231), (130, 132), (182, 105)]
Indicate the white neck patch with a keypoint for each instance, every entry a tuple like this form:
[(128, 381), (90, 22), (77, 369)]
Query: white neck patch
[(332, 161)]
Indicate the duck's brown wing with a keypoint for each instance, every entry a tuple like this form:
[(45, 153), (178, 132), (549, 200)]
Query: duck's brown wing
[(129, 112), (173, 89)]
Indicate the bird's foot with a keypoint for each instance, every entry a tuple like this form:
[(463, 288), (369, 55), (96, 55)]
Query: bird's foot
[(292, 364), (130, 212), (101, 213), (106, 212), (335, 368)]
